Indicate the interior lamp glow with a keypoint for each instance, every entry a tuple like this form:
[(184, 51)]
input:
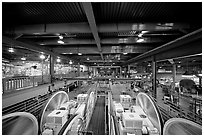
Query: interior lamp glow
[(125, 53), (79, 54), (11, 50), (42, 56), (58, 60), (140, 35), (60, 37), (70, 62), (23, 58), (60, 41), (140, 40)]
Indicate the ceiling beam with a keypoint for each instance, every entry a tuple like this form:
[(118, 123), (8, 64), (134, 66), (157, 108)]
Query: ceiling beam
[(33, 47), (187, 45), (91, 19), (84, 28), (140, 48)]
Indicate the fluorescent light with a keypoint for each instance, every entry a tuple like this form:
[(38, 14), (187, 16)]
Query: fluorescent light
[(23, 58), (79, 54), (42, 56), (140, 40), (125, 53), (58, 60), (11, 50), (60, 42), (88, 59), (70, 53)]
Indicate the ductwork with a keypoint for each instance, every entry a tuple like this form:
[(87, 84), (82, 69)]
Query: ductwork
[(84, 28)]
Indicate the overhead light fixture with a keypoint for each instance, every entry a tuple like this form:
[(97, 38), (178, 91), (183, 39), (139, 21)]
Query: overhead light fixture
[(70, 53), (125, 53), (60, 41), (79, 54), (140, 35), (140, 40), (144, 31), (11, 50), (58, 60), (88, 59), (113, 63), (23, 58), (95, 63), (70, 62), (42, 56), (60, 37), (149, 65), (200, 75)]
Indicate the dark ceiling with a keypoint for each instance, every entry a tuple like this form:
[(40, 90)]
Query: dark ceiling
[(102, 31)]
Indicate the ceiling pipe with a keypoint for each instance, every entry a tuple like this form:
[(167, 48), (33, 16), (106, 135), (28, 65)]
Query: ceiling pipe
[(84, 28)]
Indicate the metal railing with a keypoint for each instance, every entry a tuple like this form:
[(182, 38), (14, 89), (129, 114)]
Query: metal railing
[(10, 84)]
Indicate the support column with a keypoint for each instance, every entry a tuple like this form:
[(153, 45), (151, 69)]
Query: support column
[(78, 70), (154, 71), (51, 69), (174, 79), (116, 71), (128, 71), (125, 72), (88, 71), (174, 76), (120, 71), (42, 71)]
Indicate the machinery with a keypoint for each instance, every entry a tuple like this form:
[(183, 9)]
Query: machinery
[(61, 116), (144, 118), (55, 117)]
